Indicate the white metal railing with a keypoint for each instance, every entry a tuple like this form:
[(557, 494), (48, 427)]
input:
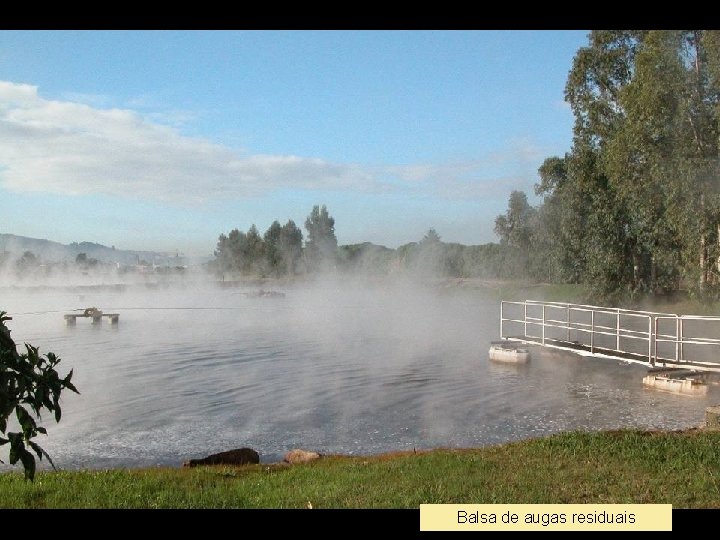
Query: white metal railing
[(558, 321), (679, 339)]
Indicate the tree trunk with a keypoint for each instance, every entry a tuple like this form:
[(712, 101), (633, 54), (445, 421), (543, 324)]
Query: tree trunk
[(703, 246), (696, 126), (653, 274), (703, 260), (636, 270), (717, 265)]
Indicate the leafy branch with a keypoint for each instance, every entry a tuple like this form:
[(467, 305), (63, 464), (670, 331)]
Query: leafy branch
[(29, 383)]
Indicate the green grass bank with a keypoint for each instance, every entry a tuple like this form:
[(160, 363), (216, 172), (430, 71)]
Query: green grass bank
[(627, 466)]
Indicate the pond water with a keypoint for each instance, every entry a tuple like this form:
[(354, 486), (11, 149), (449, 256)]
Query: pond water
[(336, 368)]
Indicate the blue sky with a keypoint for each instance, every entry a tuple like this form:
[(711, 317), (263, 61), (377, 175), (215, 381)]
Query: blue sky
[(165, 139)]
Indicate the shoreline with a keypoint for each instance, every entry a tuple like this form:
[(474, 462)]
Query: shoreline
[(380, 456), (611, 467)]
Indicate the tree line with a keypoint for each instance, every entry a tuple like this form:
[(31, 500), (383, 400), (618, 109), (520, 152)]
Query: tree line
[(280, 251), (634, 207)]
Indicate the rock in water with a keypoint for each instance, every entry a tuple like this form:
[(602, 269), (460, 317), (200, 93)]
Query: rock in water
[(239, 456), (300, 456), (712, 417)]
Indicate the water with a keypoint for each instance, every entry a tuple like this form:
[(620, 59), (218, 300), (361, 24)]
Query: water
[(349, 370)]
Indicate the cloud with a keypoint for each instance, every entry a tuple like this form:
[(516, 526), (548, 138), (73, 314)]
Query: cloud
[(494, 175), (76, 147), (93, 100), (73, 148)]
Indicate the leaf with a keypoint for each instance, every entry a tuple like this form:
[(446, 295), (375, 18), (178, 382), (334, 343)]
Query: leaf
[(37, 449), (47, 403), (40, 452), (26, 422), (28, 462), (68, 384), (15, 452)]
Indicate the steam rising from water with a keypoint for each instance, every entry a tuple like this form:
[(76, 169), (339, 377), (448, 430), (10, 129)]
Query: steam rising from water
[(337, 368)]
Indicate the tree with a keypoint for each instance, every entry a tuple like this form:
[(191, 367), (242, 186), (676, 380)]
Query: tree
[(240, 252), (277, 251), (27, 260), (254, 254), (558, 237), (635, 206), (273, 254), (83, 261), (27, 381), (321, 245), (290, 246), (226, 251), (515, 227), (599, 238), (428, 256), (642, 165), (431, 237)]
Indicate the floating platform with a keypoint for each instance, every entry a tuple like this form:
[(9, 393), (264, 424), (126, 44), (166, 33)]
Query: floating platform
[(265, 294), (508, 353), (95, 314), (678, 384)]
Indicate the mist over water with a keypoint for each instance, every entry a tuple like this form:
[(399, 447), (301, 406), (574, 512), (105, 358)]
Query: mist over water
[(336, 368)]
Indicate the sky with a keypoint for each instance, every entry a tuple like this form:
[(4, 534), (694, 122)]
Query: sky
[(163, 140)]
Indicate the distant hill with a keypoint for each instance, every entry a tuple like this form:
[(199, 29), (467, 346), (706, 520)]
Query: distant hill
[(50, 251)]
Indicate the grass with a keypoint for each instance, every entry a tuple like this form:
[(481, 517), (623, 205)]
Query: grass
[(627, 466)]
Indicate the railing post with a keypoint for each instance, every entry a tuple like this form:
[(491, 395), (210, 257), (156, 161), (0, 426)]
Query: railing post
[(650, 339), (654, 359), (543, 326), (525, 317), (682, 338), (677, 338), (617, 331), (502, 318), (568, 322), (592, 332)]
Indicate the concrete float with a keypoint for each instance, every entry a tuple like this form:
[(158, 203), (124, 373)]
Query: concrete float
[(94, 313), (682, 382), (508, 353)]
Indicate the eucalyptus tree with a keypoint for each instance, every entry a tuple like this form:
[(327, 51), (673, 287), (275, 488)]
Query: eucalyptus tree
[(515, 227), (321, 243), (240, 252), (558, 249), (283, 247), (290, 247), (254, 253), (635, 202), (230, 251), (515, 230), (273, 255), (662, 161), (598, 75)]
